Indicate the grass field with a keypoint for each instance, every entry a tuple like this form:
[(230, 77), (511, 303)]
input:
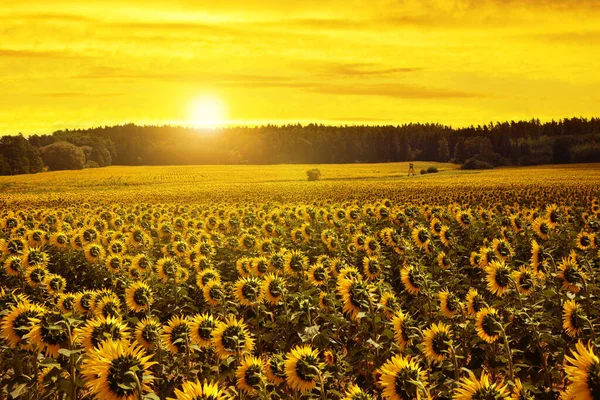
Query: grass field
[(250, 282), (277, 182)]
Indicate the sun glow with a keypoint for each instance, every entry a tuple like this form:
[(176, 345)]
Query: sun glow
[(208, 112)]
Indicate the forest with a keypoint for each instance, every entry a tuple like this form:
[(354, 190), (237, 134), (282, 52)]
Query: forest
[(570, 140)]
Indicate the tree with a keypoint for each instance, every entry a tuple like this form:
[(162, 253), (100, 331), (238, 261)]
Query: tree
[(63, 155), (443, 150)]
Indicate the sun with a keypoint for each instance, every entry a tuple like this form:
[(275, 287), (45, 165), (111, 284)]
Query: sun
[(208, 112)]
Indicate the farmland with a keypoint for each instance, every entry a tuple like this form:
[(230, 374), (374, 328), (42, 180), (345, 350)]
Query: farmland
[(231, 282)]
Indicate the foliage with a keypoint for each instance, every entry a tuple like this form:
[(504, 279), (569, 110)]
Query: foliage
[(432, 169), (503, 143), (313, 174), (474, 163), (63, 155)]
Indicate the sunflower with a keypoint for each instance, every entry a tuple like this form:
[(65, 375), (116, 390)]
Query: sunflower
[(206, 275), (100, 329), (18, 322), (354, 392), (260, 265), (420, 236), (202, 326), (142, 263), (275, 369), (113, 371), (107, 305), (573, 277), (295, 263), (15, 246), (84, 302), (449, 303), (486, 256), (502, 249), (583, 372), (411, 279), (35, 275), (371, 267), (213, 293), (464, 219), (250, 374), (584, 240), (317, 275), (113, 263), (176, 335), (486, 324), (277, 261), (399, 322), (403, 379), (167, 269), (243, 266), (231, 338), (538, 258), (498, 277), (525, 279), (389, 303), (48, 336), (248, 291), (437, 341), (148, 332), (35, 257), (471, 388), (302, 368), (541, 227), (356, 295), (443, 261), (372, 246), (199, 391), (273, 287), (66, 302), (94, 253), (138, 297), (13, 265), (446, 235), (55, 284), (574, 318)]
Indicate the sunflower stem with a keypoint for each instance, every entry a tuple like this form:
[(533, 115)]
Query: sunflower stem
[(455, 363), (322, 381), (518, 292), (588, 305), (508, 352), (138, 385)]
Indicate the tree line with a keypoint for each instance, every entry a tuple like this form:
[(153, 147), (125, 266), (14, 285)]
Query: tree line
[(505, 143)]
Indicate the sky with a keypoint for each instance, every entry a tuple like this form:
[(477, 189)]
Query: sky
[(78, 64)]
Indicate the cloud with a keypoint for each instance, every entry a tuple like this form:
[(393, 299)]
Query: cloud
[(395, 90), (76, 94), (368, 69)]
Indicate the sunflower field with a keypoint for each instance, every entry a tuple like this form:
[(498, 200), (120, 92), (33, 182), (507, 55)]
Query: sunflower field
[(168, 285)]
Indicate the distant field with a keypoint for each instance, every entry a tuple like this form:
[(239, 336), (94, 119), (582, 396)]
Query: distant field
[(279, 182)]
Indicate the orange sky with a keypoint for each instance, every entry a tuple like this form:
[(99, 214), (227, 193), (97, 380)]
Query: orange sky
[(71, 64)]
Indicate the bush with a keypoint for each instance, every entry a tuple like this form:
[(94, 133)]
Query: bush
[(91, 164), (313, 174), (423, 171), (432, 170), (473, 163), (63, 155)]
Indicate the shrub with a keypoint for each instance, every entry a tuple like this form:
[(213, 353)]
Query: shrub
[(432, 170), (91, 164), (473, 163), (313, 174), (423, 171), (63, 155)]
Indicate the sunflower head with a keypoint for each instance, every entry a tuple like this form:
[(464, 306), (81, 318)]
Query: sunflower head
[(275, 369), (486, 324), (231, 338), (498, 277), (302, 368), (403, 379), (202, 327), (250, 374), (248, 291), (176, 336), (274, 288), (471, 388), (583, 372), (199, 391), (356, 295), (148, 332), (112, 370)]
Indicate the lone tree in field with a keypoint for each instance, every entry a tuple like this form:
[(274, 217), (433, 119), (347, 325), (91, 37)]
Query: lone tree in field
[(313, 174), (63, 155)]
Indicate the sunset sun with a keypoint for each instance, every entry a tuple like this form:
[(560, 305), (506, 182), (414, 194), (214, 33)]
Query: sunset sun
[(208, 112)]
